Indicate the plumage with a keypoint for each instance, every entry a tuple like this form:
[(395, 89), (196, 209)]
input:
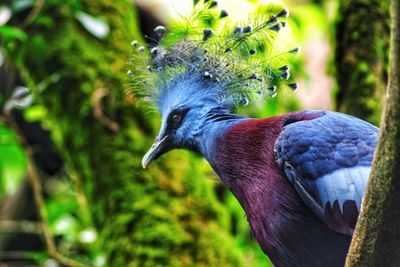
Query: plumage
[(300, 177), (329, 169), (289, 232), (229, 53)]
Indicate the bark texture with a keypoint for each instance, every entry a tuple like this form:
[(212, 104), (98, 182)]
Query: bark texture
[(165, 216), (362, 38), (376, 241)]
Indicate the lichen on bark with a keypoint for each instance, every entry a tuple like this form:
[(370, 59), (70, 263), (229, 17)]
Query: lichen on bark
[(376, 241), (362, 40)]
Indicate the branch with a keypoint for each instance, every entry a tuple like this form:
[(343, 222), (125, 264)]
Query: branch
[(34, 13), (6, 256), (376, 241), (7, 226), (37, 193), (97, 95)]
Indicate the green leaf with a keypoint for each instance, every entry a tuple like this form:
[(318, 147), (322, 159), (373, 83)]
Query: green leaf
[(35, 113), (13, 162), (12, 33)]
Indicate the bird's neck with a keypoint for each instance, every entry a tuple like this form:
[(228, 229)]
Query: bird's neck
[(214, 125)]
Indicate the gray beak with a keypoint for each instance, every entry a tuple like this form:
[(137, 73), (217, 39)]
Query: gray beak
[(155, 151)]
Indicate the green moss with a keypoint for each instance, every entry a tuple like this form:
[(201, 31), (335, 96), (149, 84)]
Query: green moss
[(165, 216), (361, 58)]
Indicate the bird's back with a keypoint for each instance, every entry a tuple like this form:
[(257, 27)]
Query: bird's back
[(288, 230), (328, 161)]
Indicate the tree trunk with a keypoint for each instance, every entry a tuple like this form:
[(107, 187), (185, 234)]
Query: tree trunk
[(165, 216), (376, 241), (362, 38)]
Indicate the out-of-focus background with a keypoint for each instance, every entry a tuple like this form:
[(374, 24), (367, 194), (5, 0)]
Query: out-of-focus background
[(72, 189)]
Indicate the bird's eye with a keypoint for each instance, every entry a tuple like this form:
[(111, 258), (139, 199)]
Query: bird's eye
[(176, 118)]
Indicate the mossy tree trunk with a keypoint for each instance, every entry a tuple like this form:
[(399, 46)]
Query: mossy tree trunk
[(362, 40), (376, 241), (164, 216)]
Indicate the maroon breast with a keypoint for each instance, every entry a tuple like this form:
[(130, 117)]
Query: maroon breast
[(246, 164), (280, 221)]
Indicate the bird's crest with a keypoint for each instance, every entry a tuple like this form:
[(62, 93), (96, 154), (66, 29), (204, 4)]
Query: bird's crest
[(239, 61)]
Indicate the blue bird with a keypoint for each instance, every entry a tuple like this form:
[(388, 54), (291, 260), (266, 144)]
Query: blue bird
[(300, 177)]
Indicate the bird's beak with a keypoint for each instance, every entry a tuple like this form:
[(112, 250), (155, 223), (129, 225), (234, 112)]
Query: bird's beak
[(155, 151)]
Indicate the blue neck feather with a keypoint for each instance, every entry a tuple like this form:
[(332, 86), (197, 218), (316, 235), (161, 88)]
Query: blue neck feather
[(216, 123), (207, 117)]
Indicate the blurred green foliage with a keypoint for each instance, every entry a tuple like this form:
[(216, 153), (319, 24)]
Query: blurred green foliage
[(12, 162), (105, 208)]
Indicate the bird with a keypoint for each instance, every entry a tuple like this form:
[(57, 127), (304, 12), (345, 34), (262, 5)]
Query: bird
[(300, 177)]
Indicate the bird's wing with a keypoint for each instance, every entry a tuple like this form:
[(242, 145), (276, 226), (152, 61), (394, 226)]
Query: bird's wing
[(328, 161)]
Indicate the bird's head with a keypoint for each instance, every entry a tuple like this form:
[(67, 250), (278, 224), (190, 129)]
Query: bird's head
[(185, 108), (201, 70)]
